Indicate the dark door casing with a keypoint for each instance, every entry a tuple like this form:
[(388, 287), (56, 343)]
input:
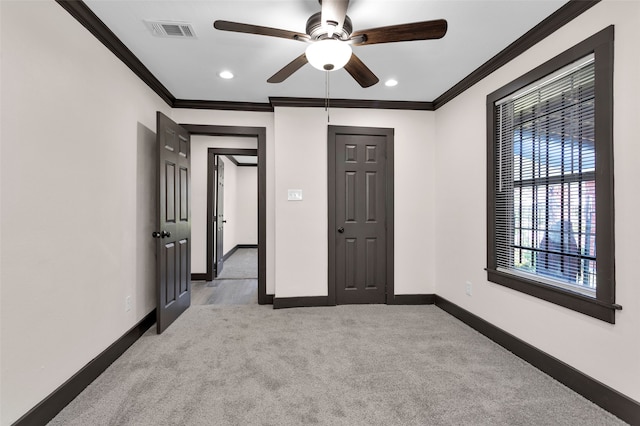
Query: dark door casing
[(361, 197), (173, 222)]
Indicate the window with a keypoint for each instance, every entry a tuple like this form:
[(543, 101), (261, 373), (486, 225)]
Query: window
[(550, 181)]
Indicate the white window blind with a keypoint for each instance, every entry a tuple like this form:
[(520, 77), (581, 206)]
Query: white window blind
[(545, 216)]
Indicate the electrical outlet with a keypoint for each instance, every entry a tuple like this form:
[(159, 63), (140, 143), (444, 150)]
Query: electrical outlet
[(127, 303), (468, 288)]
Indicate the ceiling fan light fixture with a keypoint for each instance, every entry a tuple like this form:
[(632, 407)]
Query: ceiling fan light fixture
[(227, 75), (391, 82), (328, 55)]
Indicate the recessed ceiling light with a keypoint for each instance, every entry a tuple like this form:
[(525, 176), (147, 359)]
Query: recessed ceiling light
[(391, 82), (226, 75)]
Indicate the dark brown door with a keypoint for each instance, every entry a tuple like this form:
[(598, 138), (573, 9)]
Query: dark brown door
[(360, 215), (219, 217), (174, 222)]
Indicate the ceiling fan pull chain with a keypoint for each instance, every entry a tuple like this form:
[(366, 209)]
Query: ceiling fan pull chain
[(326, 90), (327, 85)]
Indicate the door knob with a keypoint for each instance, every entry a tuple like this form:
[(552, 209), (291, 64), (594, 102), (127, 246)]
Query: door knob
[(156, 234), (165, 234), (341, 230)]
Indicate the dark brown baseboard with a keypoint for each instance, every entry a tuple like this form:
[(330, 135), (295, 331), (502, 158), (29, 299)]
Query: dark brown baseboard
[(303, 302), (255, 246), (235, 249), (268, 299), (203, 277), (300, 302), (600, 394), (412, 299), (49, 407), (230, 253), (609, 399)]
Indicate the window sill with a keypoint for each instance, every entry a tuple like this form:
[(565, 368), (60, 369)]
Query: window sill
[(574, 301)]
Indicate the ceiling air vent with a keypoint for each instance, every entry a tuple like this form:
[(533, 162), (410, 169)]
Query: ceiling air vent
[(171, 29)]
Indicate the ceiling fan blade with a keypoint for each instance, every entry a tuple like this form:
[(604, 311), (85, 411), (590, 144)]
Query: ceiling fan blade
[(360, 72), (425, 30), (334, 11), (289, 69), (256, 29)]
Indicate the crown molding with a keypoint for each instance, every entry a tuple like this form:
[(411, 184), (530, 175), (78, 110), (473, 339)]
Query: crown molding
[(349, 103), (553, 22), (81, 12), (223, 105), (85, 16)]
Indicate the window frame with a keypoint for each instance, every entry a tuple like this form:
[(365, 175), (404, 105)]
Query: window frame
[(603, 305)]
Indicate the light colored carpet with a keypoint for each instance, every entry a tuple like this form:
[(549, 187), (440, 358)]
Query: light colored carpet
[(234, 292), (345, 365), (240, 265)]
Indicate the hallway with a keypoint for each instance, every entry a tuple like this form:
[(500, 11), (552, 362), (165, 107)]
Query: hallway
[(237, 285)]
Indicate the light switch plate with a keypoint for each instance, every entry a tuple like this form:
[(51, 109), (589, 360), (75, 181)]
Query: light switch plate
[(294, 195)]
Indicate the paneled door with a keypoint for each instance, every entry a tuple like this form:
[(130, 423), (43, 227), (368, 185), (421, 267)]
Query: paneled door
[(362, 198), (173, 231)]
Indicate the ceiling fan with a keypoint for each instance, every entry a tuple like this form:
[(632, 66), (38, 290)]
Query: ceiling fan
[(330, 37)]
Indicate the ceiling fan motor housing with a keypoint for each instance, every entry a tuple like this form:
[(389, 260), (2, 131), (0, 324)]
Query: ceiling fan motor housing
[(317, 32)]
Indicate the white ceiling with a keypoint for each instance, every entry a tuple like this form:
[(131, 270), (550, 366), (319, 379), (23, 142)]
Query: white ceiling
[(246, 159), (188, 68)]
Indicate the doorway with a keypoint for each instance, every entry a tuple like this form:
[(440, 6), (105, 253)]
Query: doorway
[(259, 133), (235, 229), (239, 189), (361, 226)]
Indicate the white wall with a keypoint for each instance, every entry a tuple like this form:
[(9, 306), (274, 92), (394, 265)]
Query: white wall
[(609, 353), (78, 203), (240, 205), (295, 136), (301, 227), (246, 218), (199, 148)]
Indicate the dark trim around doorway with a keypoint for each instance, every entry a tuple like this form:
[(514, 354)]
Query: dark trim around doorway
[(331, 160), (239, 164), (211, 210), (260, 133)]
